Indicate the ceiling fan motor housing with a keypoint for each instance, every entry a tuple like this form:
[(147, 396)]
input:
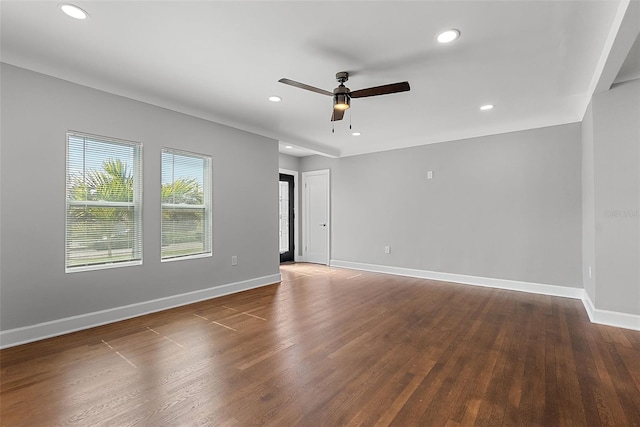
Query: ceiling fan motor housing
[(342, 76)]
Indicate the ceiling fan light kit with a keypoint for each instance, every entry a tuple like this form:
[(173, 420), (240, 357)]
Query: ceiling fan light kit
[(342, 95), (341, 101)]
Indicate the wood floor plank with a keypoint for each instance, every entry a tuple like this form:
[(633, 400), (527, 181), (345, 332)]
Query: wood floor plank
[(335, 347)]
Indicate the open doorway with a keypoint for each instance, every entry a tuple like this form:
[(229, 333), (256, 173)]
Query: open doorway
[(287, 217)]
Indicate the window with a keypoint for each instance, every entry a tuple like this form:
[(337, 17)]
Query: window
[(186, 204), (104, 202)]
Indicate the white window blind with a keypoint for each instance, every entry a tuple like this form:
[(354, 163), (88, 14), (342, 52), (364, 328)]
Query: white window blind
[(186, 204), (104, 202)]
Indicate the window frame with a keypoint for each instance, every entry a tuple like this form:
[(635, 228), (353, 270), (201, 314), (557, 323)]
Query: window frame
[(207, 205), (137, 172)]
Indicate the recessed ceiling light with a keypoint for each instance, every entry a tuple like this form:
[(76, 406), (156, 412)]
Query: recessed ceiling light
[(356, 134), (486, 107), (448, 36), (275, 99), (74, 11), (288, 146)]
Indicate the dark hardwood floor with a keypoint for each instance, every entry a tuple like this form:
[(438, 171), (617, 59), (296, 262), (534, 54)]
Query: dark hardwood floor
[(335, 347)]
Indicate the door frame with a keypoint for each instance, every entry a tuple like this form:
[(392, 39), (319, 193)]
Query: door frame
[(305, 211), (296, 218)]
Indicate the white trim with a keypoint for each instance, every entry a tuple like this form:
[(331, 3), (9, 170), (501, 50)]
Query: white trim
[(183, 257), (588, 305), (296, 211), (513, 285), (103, 266), (26, 334), (610, 318), (602, 317)]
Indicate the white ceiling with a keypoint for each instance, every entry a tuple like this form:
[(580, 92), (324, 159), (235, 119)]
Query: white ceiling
[(537, 61)]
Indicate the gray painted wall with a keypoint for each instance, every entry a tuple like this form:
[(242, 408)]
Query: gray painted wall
[(503, 206), (616, 153), (289, 162), (37, 110)]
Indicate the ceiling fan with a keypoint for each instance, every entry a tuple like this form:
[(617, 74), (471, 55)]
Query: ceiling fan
[(342, 95)]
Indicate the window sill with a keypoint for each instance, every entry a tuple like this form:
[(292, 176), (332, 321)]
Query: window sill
[(180, 258), (101, 266)]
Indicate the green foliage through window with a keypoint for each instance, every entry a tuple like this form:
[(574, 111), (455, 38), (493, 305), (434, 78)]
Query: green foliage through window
[(103, 202), (186, 205)]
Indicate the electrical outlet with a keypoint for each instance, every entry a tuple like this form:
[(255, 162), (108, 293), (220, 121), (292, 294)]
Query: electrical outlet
[(234, 260), (387, 249), (429, 174)]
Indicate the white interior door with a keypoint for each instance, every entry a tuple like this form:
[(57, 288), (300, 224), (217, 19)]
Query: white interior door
[(315, 195)]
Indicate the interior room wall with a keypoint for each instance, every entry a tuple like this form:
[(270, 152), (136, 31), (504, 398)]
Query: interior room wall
[(502, 206), (616, 210), (37, 111), (289, 162)]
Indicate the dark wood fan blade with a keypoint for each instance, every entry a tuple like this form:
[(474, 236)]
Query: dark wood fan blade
[(381, 90), (304, 86), (337, 115)]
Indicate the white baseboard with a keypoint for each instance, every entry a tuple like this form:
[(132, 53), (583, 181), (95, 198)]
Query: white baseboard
[(588, 306), (17, 336), (610, 318), (513, 285), (602, 317)]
